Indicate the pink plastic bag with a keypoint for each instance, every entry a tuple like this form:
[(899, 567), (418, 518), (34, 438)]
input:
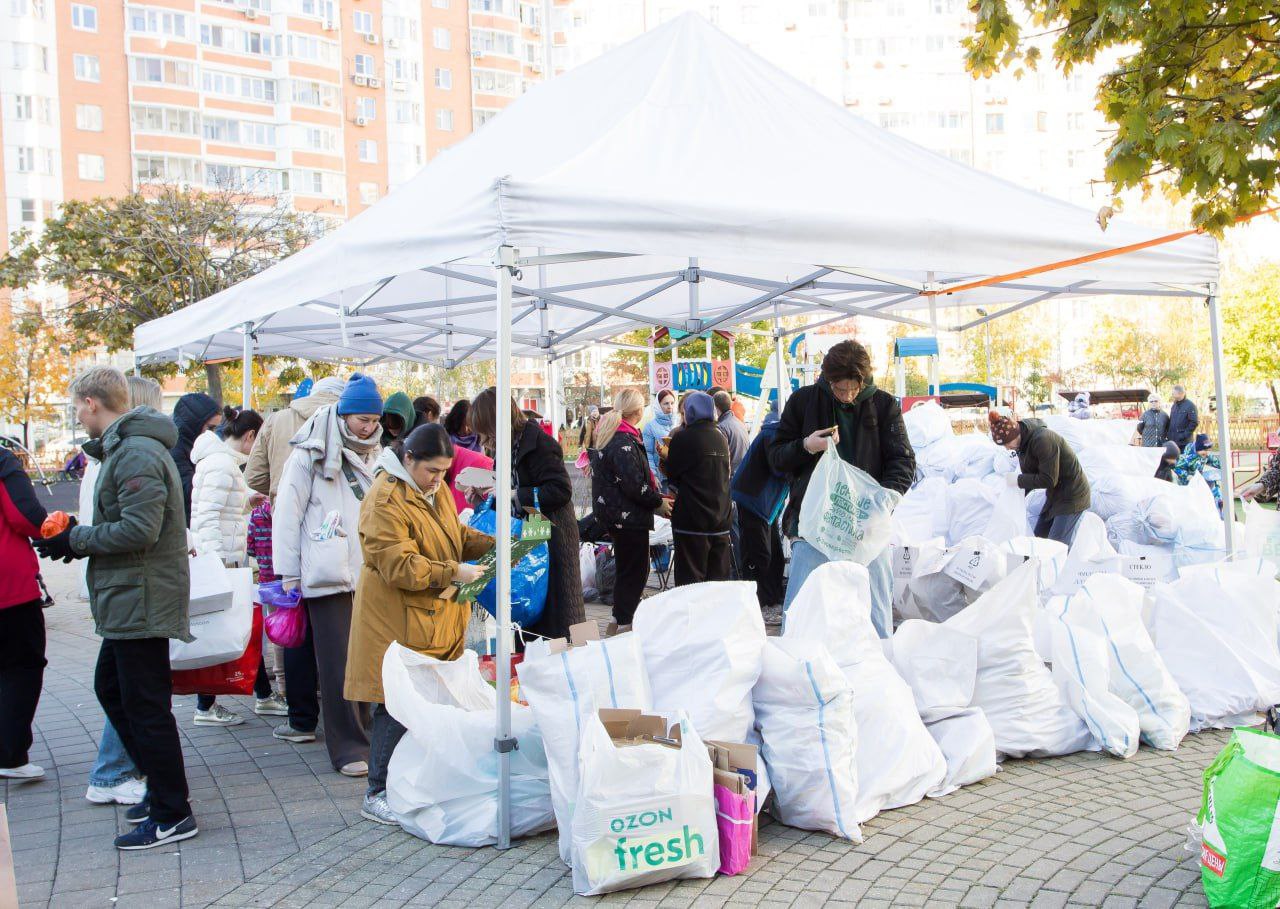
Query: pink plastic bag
[(287, 627), (734, 817)]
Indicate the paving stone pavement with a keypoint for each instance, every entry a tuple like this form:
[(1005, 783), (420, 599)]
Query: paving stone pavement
[(279, 828)]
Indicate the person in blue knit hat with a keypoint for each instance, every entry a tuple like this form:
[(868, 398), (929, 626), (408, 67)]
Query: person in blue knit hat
[(315, 547)]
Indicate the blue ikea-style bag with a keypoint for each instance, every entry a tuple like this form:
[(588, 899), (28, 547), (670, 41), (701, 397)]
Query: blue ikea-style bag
[(529, 576)]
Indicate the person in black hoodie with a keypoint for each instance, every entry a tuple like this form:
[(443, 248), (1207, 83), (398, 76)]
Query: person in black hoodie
[(697, 469), (843, 408), (625, 497), (193, 414)]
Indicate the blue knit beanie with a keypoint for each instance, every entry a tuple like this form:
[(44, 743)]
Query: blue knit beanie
[(360, 396)]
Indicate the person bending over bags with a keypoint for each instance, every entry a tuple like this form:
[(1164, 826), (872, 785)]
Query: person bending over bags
[(414, 547), (1047, 463)]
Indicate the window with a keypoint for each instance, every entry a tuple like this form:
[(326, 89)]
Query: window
[(444, 119), (317, 138), (161, 70), (487, 41), (21, 107), (408, 112), (178, 121), (367, 108), (493, 82), (444, 77), (84, 18), (312, 49), (362, 20), (233, 86), (92, 167), (29, 56), (89, 117), (262, 44), (947, 119), (995, 123), (1075, 120), (314, 94), (441, 39), (1042, 121), (220, 36), (155, 21), (24, 159), (440, 4), (399, 68), (897, 120), (368, 193), (479, 116), (28, 209), (367, 151), (364, 64), (86, 67), (163, 167)]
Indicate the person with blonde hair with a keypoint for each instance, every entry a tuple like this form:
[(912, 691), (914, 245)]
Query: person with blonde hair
[(625, 497)]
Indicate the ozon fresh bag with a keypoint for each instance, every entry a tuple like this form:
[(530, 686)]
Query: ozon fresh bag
[(645, 811), (846, 513), (1239, 822)]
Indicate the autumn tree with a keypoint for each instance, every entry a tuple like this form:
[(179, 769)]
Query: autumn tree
[(1251, 326), (1006, 350), (126, 260), (1125, 352), (1194, 98), (34, 367)]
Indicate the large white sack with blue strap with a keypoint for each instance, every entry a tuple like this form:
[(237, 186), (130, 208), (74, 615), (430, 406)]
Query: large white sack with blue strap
[(898, 761), (1111, 606), (442, 781), (1013, 687), (968, 744), (564, 690), (1215, 628), (1082, 673), (804, 713)]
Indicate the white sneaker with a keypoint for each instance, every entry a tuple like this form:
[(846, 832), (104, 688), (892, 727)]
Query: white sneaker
[(25, 772), (130, 792), (217, 715), (355, 768), (376, 809), (271, 705)]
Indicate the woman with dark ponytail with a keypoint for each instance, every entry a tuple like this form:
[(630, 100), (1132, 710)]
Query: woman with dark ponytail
[(414, 547)]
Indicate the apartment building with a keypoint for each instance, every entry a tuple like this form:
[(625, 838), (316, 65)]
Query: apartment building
[(327, 103)]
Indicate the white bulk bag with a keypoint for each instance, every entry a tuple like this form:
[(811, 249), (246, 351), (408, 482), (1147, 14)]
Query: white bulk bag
[(1120, 460), (926, 423), (1090, 553), (1050, 557), (645, 813), (1111, 606), (846, 513), (947, 579), (1083, 434), (564, 689), (1014, 689), (1083, 675), (968, 744), (1262, 533), (804, 714), (1216, 632), (939, 663), (955, 457), (219, 636), (921, 515), (992, 510), (442, 780), (898, 761)]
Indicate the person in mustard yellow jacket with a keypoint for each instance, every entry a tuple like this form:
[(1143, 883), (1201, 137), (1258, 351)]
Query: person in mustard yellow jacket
[(414, 547)]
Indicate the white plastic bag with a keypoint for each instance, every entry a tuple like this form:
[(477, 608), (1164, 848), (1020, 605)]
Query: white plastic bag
[(563, 690), (1262, 533), (442, 781), (968, 744), (219, 636), (804, 713), (926, 423), (587, 570), (991, 510), (645, 813), (1014, 689), (1083, 675), (898, 761), (846, 513)]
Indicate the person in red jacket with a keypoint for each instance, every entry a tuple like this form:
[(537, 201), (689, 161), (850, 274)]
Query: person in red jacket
[(22, 659)]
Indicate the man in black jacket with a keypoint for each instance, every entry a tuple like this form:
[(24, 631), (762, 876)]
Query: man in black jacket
[(698, 469), (1047, 462), (845, 409), (1183, 419)]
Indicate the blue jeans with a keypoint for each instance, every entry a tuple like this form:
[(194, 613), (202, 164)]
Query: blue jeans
[(113, 766), (805, 558)]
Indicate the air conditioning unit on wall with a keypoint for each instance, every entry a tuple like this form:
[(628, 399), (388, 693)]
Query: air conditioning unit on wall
[(362, 121), (360, 80)]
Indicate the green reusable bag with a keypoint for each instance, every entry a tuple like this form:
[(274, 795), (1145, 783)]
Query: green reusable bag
[(1240, 821)]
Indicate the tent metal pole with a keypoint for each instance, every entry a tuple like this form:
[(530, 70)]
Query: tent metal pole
[(504, 744), (652, 365), (779, 352), (553, 396), (246, 368), (1224, 425), (935, 362)]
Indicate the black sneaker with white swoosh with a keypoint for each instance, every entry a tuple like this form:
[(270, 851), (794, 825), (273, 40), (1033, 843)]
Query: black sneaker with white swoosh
[(149, 834)]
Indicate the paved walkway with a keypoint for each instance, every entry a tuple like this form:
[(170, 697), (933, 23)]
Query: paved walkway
[(279, 828)]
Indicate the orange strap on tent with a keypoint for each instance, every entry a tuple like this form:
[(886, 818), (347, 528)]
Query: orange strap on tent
[(1080, 260)]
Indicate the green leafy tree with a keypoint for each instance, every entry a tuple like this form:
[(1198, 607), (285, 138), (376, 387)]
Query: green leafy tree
[(1251, 326), (129, 259), (1126, 353), (1016, 345), (1195, 99)]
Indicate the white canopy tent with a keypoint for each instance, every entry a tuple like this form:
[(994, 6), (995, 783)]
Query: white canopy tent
[(678, 181)]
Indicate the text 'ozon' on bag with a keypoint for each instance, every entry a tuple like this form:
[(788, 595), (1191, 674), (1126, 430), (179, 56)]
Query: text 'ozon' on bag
[(846, 513)]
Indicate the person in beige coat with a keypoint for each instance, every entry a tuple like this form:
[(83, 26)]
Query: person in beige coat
[(271, 449), (414, 547)]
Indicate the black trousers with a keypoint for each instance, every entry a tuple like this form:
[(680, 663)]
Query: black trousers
[(762, 559), (700, 558), (386, 735), (134, 688), (631, 558), (22, 665)]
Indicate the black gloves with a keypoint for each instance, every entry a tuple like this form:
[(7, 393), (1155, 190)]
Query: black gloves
[(57, 547)]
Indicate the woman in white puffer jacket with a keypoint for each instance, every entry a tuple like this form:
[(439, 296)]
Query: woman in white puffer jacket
[(220, 498)]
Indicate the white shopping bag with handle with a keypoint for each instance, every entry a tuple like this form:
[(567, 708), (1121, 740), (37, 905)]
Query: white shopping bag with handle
[(846, 513), (219, 636)]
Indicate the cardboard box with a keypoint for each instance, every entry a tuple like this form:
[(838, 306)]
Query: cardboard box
[(735, 768), (210, 585), (629, 727)]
